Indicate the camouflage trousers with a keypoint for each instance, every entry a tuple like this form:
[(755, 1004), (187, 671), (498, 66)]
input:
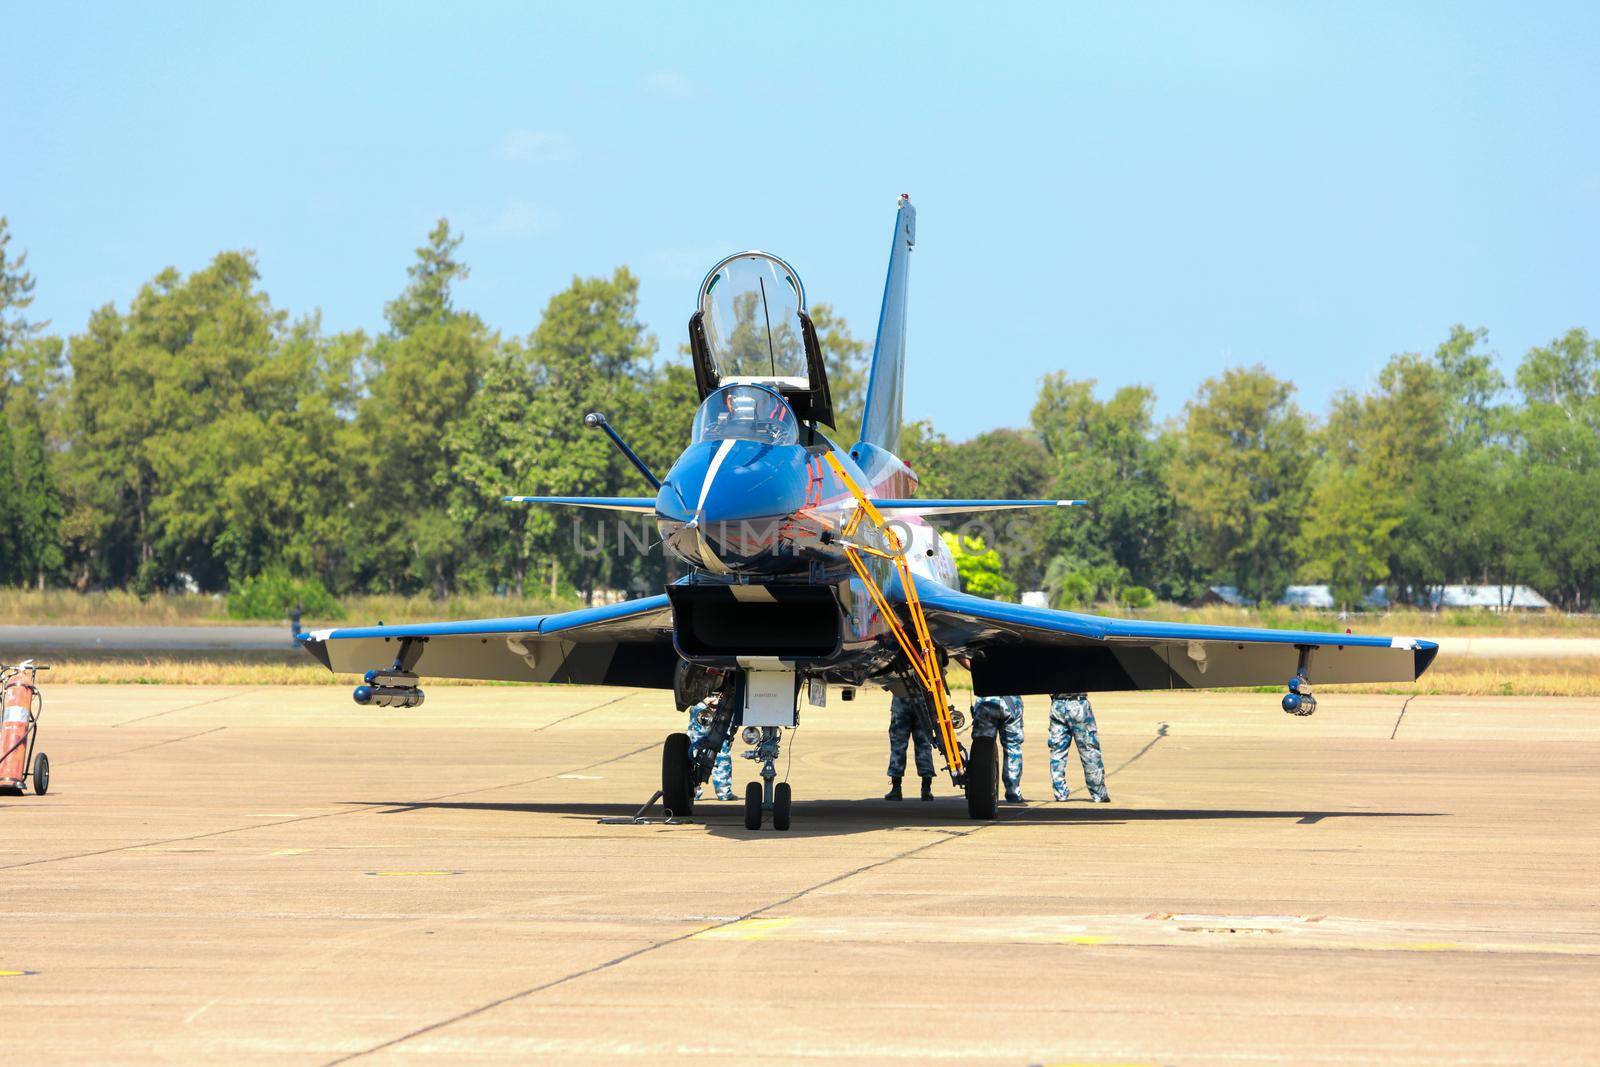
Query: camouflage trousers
[(1009, 732), (722, 770), (905, 726), (1072, 720)]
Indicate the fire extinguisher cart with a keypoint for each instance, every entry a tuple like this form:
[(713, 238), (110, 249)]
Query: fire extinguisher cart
[(20, 705)]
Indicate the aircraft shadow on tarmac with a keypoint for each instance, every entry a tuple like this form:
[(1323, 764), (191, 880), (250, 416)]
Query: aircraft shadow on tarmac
[(832, 817)]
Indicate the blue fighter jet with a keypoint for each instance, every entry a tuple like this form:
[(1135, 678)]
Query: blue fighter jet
[(812, 565)]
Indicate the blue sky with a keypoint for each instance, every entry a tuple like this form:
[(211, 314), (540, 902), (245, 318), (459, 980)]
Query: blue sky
[(1134, 193)]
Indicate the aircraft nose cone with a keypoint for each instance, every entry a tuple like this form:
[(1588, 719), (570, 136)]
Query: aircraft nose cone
[(729, 501)]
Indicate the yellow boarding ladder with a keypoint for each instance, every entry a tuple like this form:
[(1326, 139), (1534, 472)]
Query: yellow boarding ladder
[(921, 653)]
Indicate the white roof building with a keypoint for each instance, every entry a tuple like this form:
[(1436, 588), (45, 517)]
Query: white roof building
[(1320, 597)]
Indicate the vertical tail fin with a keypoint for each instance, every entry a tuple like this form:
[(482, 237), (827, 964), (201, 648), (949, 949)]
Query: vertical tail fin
[(880, 421)]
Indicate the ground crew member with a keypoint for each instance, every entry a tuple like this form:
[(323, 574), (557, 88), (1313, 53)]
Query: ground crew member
[(1002, 717), (722, 769), (906, 725), (1072, 719)]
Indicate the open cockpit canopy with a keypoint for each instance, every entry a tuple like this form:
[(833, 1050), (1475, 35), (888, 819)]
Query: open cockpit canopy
[(751, 328)]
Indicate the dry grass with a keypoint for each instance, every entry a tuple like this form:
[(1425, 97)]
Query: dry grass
[(61, 607), (1528, 677), (1579, 677), (166, 670), (1475, 622)]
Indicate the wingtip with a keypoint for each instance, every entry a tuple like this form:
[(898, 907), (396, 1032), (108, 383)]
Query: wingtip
[(316, 648)]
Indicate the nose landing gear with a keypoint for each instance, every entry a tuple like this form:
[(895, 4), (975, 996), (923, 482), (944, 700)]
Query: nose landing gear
[(764, 796)]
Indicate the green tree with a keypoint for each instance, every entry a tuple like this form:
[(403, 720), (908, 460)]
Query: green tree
[(421, 380), (1434, 440), (10, 543), (33, 510), (846, 358), (930, 455), (980, 567), (1108, 453), (156, 397), (284, 497), (1009, 465), (1345, 538), (526, 436), (16, 295), (1557, 479), (1240, 475)]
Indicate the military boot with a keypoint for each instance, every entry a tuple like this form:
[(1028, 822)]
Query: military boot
[(927, 788), (894, 790)]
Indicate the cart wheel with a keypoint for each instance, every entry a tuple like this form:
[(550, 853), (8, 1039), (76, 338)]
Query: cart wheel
[(752, 806), (677, 790), (41, 774), (781, 798)]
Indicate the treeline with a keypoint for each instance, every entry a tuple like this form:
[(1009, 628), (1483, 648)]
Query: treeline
[(1441, 472), (204, 438)]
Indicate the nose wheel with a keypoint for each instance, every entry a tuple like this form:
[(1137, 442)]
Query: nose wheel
[(767, 794)]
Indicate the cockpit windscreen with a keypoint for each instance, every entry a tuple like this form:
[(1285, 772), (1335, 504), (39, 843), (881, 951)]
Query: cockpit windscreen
[(746, 413)]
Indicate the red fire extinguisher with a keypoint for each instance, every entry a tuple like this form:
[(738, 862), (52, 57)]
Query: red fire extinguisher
[(19, 726)]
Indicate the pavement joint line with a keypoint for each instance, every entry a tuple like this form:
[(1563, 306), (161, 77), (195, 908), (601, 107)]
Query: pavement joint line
[(185, 707), (1161, 732), (287, 822), (1402, 715), (585, 711), (755, 913), (141, 748)]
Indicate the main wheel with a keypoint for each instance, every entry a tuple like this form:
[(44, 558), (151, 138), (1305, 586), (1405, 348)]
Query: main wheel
[(677, 788), (780, 806), (41, 774), (752, 806), (983, 778)]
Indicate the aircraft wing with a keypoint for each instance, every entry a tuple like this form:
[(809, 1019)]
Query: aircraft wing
[(930, 506), (642, 505), (1018, 649), (620, 644)]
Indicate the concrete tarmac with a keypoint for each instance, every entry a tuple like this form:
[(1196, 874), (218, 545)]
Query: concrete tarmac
[(277, 876)]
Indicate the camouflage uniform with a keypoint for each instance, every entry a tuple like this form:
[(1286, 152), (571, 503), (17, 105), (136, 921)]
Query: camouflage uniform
[(722, 770), (906, 725), (1072, 719), (1002, 716)]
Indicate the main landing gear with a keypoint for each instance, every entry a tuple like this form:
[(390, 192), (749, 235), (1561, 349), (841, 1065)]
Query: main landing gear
[(982, 778), (677, 781)]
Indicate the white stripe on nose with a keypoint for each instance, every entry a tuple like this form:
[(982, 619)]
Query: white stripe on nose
[(711, 473)]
